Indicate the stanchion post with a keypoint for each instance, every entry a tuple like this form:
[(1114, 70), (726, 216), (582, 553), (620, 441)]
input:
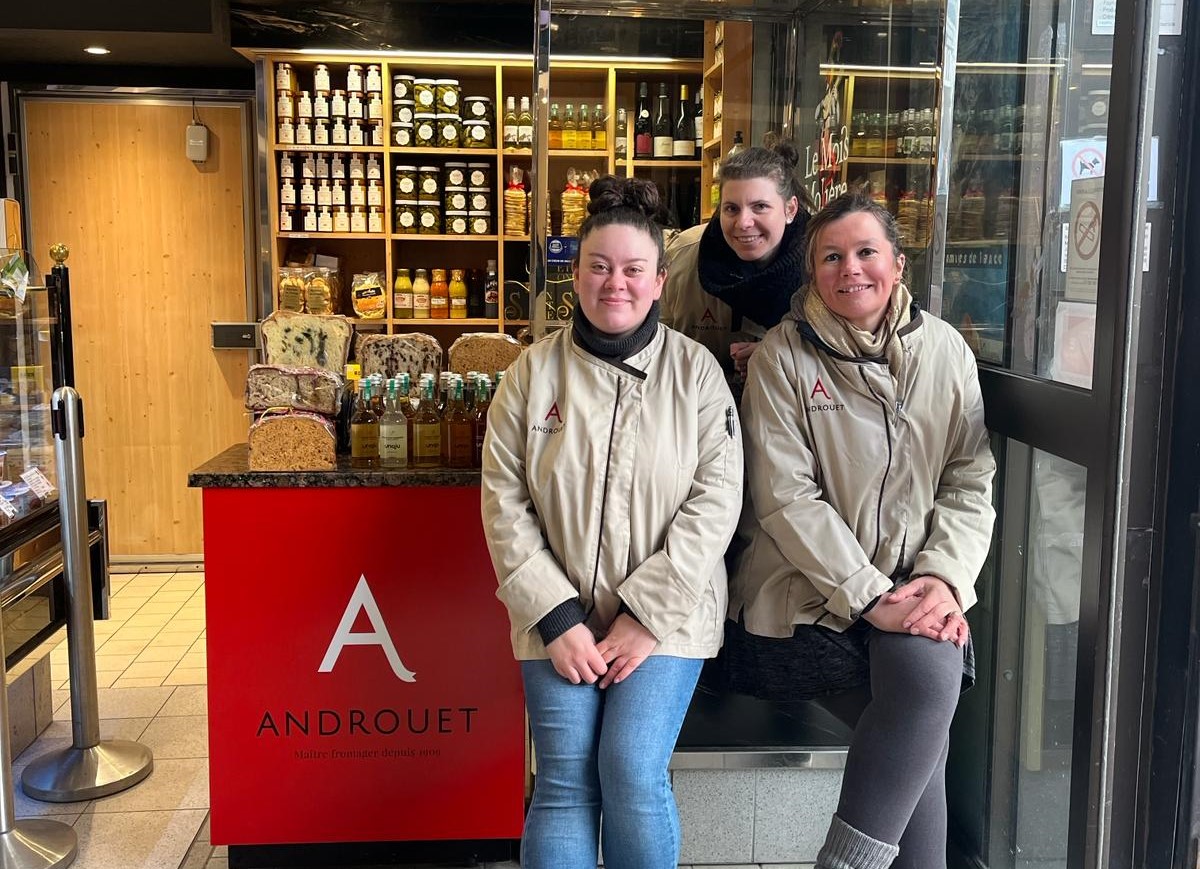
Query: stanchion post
[(90, 768)]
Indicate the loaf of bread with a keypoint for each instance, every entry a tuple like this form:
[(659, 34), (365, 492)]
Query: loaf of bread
[(307, 340), (311, 389), (485, 352), (389, 355), (292, 442)]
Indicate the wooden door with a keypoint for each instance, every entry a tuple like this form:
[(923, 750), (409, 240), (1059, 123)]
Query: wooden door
[(157, 253)]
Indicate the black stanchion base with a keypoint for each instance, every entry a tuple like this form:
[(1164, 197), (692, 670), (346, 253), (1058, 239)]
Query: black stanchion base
[(468, 852)]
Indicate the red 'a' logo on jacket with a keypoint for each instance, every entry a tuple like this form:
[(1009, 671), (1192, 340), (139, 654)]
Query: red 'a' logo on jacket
[(708, 317), (819, 387), (554, 413)]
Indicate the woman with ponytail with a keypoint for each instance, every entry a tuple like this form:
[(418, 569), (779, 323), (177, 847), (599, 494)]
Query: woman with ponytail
[(733, 278), (612, 483)]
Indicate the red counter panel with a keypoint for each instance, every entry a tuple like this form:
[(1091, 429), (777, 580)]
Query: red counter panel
[(360, 679)]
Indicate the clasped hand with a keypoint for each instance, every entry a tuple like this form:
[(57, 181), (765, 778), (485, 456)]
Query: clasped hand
[(577, 657), (925, 607)]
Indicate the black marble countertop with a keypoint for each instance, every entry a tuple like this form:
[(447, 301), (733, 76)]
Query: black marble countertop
[(230, 470)]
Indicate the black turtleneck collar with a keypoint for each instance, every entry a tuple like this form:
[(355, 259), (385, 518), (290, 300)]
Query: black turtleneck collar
[(607, 347)]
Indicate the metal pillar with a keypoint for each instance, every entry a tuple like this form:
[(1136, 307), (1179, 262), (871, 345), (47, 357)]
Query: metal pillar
[(89, 768)]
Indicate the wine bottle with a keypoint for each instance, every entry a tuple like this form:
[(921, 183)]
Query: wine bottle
[(683, 143), (621, 145), (662, 125), (642, 141), (554, 130), (699, 119), (525, 125)]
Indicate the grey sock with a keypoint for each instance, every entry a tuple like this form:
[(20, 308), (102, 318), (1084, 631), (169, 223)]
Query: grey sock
[(847, 848)]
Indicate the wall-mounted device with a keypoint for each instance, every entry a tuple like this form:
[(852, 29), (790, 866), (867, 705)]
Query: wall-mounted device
[(197, 142)]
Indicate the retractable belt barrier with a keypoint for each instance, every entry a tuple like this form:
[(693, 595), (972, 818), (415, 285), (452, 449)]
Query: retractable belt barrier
[(89, 768)]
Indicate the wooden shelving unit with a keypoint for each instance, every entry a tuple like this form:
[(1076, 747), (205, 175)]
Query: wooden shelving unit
[(590, 82), (728, 61)]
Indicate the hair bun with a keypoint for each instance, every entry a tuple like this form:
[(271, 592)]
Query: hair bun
[(612, 191), (788, 153)]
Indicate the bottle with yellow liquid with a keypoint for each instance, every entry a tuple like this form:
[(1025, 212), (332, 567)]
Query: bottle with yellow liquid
[(364, 430), (583, 130), (458, 295), (599, 129), (427, 431), (402, 296), (554, 130), (460, 434), (569, 128)]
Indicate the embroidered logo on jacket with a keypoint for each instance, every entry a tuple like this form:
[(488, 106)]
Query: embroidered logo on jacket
[(708, 322), (547, 425), (829, 404)]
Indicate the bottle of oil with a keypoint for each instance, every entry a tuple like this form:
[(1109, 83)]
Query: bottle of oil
[(569, 128), (554, 130), (460, 448), (364, 430), (427, 431), (599, 129), (583, 129)]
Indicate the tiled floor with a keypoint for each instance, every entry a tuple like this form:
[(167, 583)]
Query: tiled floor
[(151, 670)]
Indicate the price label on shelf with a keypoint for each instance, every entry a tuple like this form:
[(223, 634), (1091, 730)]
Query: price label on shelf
[(8, 508), (38, 483)]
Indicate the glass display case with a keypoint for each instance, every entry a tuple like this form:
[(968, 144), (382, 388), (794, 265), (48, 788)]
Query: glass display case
[(28, 482)]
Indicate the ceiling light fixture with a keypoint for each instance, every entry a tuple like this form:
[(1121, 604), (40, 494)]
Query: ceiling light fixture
[(97, 49)]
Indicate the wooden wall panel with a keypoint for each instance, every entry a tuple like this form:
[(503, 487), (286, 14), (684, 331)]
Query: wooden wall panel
[(157, 253)]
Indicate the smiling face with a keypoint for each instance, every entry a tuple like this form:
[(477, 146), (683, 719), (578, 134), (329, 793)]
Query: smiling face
[(855, 269), (617, 278), (754, 217)]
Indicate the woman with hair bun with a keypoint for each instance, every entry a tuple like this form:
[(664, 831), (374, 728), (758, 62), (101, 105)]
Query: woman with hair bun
[(733, 278), (612, 483)]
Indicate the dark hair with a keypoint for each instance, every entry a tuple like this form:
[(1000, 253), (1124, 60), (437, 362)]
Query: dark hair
[(854, 201), (780, 163), (617, 201)]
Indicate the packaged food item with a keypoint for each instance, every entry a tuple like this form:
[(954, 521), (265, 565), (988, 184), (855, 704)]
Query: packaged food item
[(426, 130), (456, 175), (574, 203), (320, 292), (516, 203), (425, 95), (307, 340), (428, 184), (405, 216), (403, 111), (449, 134), (456, 199), (414, 353), (402, 135), (480, 199), (479, 175), (429, 218), (446, 95), (478, 134), (291, 290), (309, 389), (292, 442), (479, 222), (483, 351), (477, 108), (457, 223), (402, 87), (367, 296)]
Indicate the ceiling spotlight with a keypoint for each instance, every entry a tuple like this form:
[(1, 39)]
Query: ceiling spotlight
[(97, 49)]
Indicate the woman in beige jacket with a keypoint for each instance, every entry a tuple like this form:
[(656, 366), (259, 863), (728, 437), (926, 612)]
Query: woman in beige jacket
[(612, 478), (868, 519)]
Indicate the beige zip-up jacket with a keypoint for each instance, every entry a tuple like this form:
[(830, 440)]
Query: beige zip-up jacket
[(687, 308), (856, 481), (614, 483)]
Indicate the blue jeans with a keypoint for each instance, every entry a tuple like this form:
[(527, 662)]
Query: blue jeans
[(602, 766)]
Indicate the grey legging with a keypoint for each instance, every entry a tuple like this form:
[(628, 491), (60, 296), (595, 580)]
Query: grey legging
[(894, 787)]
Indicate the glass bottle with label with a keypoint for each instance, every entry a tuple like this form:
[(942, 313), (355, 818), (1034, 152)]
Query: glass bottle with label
[(683, 141), (421, 296), (393, 430), (364, 430), (583, 130), (599, 129), (643, 141), (621, 145), (525, 125), (439, 296), (458, 295), (698, 120), (491, 292), (510, 123), (460, 445), (662, 125), (483, 401), (569, 128), (427, 431), (402, 296), (353, 372), (554, 130)]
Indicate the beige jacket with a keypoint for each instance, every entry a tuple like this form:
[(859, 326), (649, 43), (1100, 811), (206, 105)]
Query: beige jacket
[(614, 483), (687, 308), (857, 481)]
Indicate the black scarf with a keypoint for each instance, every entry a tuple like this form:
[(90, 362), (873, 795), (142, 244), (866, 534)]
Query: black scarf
[(607, 347), (759, 293)]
